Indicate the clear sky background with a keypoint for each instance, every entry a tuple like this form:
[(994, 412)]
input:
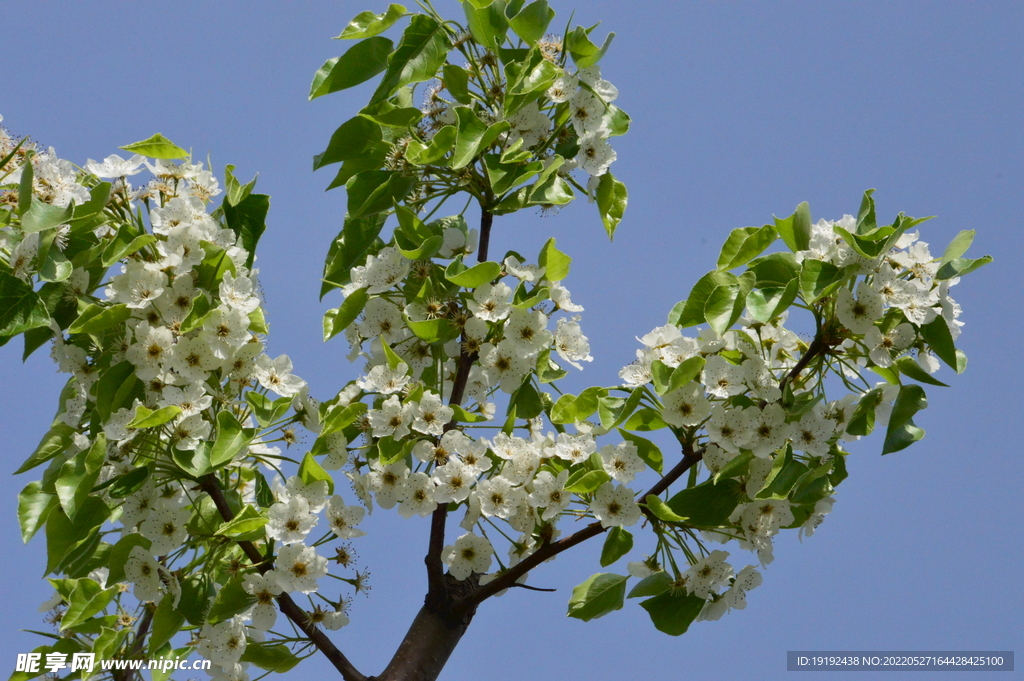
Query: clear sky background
[(740, 111)]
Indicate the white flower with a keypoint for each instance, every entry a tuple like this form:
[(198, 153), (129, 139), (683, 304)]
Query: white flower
[(469, 554), (165, 528), (574, 448), (621, 461), (859, 314), (563, 88), (821, 509), (730, 429), (225, 331), (343, 519), (453, 481), (392, 418), (723, 378), (315, 492), (491, 302), (882, 345), (419, 496), (143, 571), (587, 114), (385, 380), (223, 643), (385, 270), (812, 433), (595, 154), (238, 292), (431, 415), (527, 329), (549, 493), (192, 360), (264, 588), (499, 497), (708, 574), (384, 319), (290, 521), (387, 482), (685, 406), (770, 430), (614, 505), (276, 375), (570, 343), (114, 166), (190, 431), (529, 125), (522, 271), (561, 297), (298, 568)]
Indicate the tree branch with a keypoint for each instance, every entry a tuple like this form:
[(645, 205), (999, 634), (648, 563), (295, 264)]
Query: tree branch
[(813, 350), (290, 609), (509, 577), (436, 588)]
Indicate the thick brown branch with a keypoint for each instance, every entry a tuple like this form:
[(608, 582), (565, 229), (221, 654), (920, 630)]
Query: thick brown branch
[(435, 567), (485, 235), (290, 609)]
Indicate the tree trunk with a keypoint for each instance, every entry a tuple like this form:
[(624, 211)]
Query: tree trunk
[(433, 635)]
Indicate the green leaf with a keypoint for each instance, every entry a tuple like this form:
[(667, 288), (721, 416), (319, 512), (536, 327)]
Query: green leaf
[(55, 442), (646, 450), (475, 136), (440, 144), (690, 312), (166, 623), (231, 439), (572, 408), (339, 319), (64, 537), (349, 249), (911, 369), (582, 50), (646, 419), (652, 585), (231, 599), (936, 334), (426, 250), (248, 220), (146, 418), (598, 596), (21, 308), (586, 482), (125, 243), (86, 600), (97, 318), (34, 506), (156, 146), (672, 612), (456, 80), (745, 244), (433, 330), (475, 276), (235, 192), (618, 543), (264, 495), (866, 221), (767, 303), (129, 483), (351, 140), (361, 62), (423, 49), (78, 476), (663, 511), (246, 526), (310, 471), (487, 24), (195, 598), (531, 23), (819, 279), (555, 263), (394, 361), (396, 118), (902, 432), (194, 462), (41, 216), (119, 555), (862, 422), (367, 24), (275, 658), (708, 504), (373, 191), (796, 229)]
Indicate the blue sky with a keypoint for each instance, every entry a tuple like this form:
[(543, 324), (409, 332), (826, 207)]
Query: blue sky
[(740, 111)]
